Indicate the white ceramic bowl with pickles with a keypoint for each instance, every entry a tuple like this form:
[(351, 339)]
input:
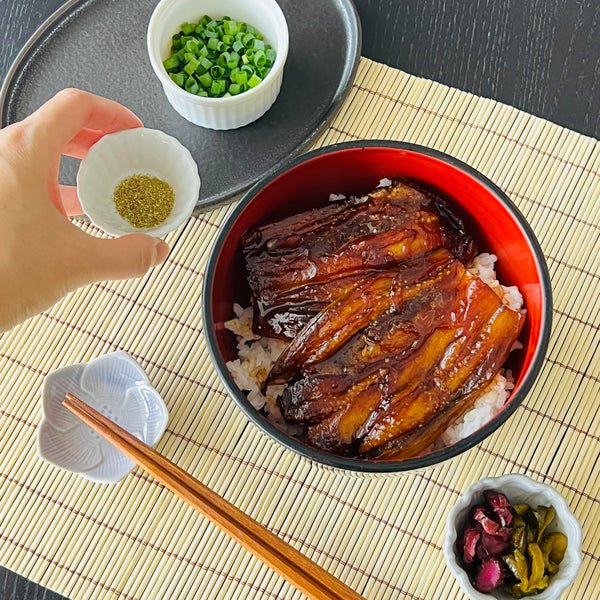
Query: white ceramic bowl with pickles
[(519, 489)]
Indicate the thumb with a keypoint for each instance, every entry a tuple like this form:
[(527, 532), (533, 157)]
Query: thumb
[(119, 258)]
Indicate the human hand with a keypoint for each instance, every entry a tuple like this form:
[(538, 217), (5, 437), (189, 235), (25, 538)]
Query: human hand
[(43, 255)]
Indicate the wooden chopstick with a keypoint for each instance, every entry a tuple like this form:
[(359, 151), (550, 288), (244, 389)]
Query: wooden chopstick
[(297, 569)]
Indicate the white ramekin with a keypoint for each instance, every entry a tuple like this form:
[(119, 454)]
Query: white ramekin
[(219, 113)]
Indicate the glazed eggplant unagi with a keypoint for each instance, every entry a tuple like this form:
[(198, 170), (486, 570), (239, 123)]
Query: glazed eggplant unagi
[(300, 264), (430, 351), (391, 337)]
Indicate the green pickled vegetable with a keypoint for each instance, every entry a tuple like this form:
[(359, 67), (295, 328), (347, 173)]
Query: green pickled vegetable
[(530, 574), (535, 553), (519, 534), (517, 565), (520, 509), (537, 579), (218, 58), (545, 516), (554, 546)]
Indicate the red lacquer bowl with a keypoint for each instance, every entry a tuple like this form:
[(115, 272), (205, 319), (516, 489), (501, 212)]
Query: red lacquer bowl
[(352, 169)]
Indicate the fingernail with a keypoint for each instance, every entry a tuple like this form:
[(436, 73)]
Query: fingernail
[(159, 253)]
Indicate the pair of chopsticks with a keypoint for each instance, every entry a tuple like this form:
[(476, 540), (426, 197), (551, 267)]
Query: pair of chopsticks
[(297, 569)]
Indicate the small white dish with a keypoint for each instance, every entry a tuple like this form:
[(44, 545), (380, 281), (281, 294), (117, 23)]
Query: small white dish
[(229, 112), (118, 387), (519, 489), (138, 151)]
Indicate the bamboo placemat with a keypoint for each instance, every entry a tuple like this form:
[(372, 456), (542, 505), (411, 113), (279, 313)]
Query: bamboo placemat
[(382, 536)]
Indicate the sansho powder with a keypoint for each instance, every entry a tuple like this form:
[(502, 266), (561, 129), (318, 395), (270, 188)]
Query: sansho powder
[(143, 200)]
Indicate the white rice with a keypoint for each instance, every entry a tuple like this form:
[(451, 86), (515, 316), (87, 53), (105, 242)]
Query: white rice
[(484, 409), (258, 354), (336, 197), (483, 267), (385, 182)]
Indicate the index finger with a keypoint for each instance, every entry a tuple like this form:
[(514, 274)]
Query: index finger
[(71, 110)]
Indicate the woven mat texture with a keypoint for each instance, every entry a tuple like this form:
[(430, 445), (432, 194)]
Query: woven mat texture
[(383, 536)]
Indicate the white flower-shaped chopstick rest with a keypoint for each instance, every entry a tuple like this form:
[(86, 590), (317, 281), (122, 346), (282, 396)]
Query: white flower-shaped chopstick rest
[(116, 386)]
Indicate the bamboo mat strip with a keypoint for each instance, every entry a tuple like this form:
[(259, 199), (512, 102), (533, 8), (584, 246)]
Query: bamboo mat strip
[(381, 535)]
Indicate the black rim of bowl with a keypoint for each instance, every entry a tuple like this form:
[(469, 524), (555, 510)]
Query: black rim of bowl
[(367, 465)]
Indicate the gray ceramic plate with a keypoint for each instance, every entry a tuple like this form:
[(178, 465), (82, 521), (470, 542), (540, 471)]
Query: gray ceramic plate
[(100, 45)]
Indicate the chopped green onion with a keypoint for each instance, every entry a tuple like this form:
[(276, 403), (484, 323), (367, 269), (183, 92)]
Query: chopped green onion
[(205, 80), (178, 78), (191, 66), (205, 63), (191, 85), (270, 54), (254, 80), (260, 58), (248, 40), (218, 88), (218, 58), (192, 45), (230, 27), (233, 61), (238, 46), (213, 43), (241, 77), (217, 72), (171, 63)]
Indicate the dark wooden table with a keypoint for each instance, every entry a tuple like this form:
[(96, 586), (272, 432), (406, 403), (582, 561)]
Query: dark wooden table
[(542, 56)]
